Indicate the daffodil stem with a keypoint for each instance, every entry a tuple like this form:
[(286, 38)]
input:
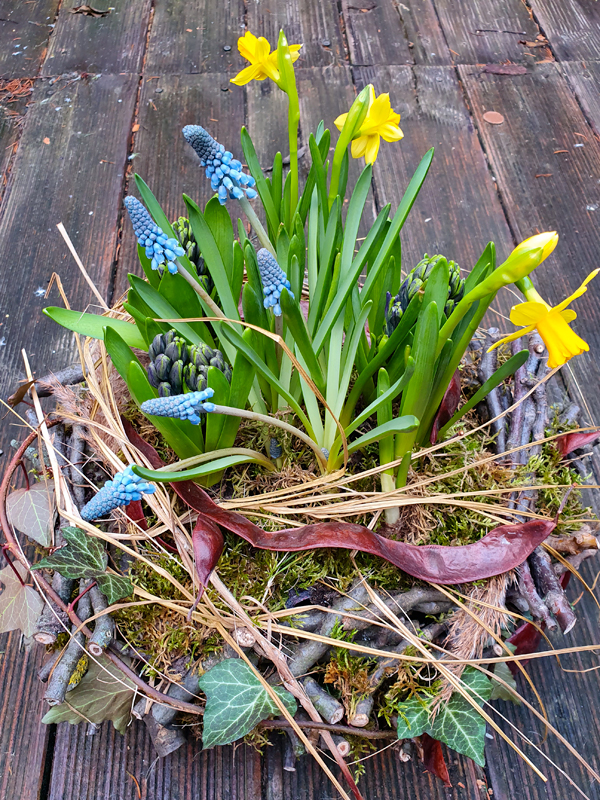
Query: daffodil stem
[(263, 237), (293, 123), (354, 120)]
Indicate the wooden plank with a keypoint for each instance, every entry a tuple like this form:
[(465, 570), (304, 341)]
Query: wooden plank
[(113, 43), (75, 177), (104, 766), (489, 31), (25, 28), (457, 211), (585, 82), (541, 116), (23, 739), (190, 37), (315, 25), (375, 33), (573, 28), (164, 159), (425, 35)]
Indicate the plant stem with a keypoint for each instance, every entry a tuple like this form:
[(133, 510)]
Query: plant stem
[(202, 293), (257, 225), (325, 726), (293, 123), (79, 596), (278, 423)]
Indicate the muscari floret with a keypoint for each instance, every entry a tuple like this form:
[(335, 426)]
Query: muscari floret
[(124, 488), (159, 247), (274, 280), (183, 406), (415, 280), (223, 170), (176, 366)]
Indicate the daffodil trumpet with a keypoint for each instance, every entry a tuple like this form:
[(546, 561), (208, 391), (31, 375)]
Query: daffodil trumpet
[(552, 323), (349, 128)]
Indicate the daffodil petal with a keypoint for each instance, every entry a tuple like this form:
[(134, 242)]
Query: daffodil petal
[(391, 133), (359, 146), (372, 148), (578, 292), (295, 52), (339, 122), (569, 315), (527, 313), (561, 342), (247, 46), (512, 337), (252, 73)]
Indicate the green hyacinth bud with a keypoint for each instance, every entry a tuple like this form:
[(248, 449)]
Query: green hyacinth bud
[(162, 367), (177, 350), (183, 231), (176, 377)]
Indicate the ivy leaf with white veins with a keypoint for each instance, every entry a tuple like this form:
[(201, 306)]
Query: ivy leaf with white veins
[(114, 587), (458, 724), (20, 606), (82, 557), (236, 702), (32, 511), (104, 693)]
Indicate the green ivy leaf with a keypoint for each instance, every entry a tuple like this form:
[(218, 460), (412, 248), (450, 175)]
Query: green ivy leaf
[(82, 557), (457, 724), (236, 702), (104, 693), (114, 587)]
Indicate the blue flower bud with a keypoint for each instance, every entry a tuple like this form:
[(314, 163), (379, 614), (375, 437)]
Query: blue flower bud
[(274, 280), (160, 249), (181, 406), (124, 488), (220, 166)]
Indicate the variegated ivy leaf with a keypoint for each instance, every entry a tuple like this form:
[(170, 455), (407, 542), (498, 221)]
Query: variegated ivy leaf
[(114, 587), (104, 693), (82, 557), (236, 702), (20, 606), (32, 511), (457, 723)]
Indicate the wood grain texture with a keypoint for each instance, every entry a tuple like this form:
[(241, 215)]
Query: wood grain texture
[(457, 211), (25, 28), (315, 25), (489, 31), (101, 767), (76, 178), (189, 37), (375, 33), (425, 36), (22, 738), (572, 28), (585, 82), (542, 116), (164, 159), (114, 43)]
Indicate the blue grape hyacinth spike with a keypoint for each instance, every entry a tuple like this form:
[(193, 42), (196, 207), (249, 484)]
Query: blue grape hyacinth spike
[(160, 249), (181, 406), (124, 488), (224, 171), (274, 280)]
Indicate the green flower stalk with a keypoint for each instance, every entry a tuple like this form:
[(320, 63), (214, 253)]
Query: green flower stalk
[(354, 119), (288, 84)]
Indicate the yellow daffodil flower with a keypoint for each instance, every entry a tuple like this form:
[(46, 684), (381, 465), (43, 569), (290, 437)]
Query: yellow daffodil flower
[(552, 324), (263, 62), (381, 122)]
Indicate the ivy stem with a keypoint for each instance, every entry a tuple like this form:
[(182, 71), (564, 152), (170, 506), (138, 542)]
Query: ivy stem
[(5, 552), (72, 605), (25, 473)]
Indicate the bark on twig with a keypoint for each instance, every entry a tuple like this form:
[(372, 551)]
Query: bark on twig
[(328, 707), (575, 561), (77, 458), (528, 590), (166, 740), (400, 604), (47, 666), (487, 367), (342, 745), (324, 726), (58, 684), (583, 539), (65, 377), (551, 590), (186, 690), (104, 626)]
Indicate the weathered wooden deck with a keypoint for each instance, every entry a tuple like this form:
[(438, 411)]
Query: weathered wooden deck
[(111, 94)]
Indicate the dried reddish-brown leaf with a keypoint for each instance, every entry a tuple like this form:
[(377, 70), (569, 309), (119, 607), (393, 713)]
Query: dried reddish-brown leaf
[(448, 406), (208, 542), (433, 758), (499, 551), (89, 11), (573, 441), (505, 69), (19, 394), (136, 514)]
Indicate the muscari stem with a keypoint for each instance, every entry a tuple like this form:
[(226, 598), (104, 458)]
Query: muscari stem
[(202, 293), (279, 423), (256, 224)]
